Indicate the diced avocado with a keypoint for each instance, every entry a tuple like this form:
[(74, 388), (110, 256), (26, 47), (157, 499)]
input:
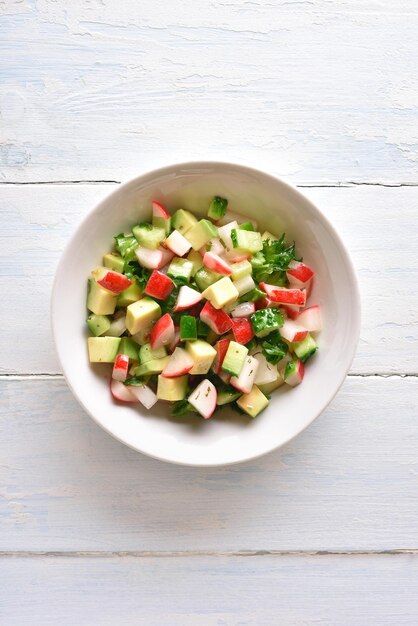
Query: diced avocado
[(201, 233), (180, 269), (225, 396), (205, 278), (130, 295), (267, 235), (254, 402), (265, 321), (99, 300), (129, 347), (143, 335), (241, 270), (183, 221), (196, 259), (149, 236), (221, 293), (188, 328), (114, 262), (140, 314), (234, 358), (268, 388), (103, 349), (217, 208), (154, 366), (98, 324), (305, 349), (146, 353), (202, 354), (172, 389), (162, 222), (246, 240)]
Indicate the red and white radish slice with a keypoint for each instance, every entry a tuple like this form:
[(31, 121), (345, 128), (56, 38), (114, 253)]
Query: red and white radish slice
[(292, 311), (224, 233), (159, 211), (299, 274), (296, 377), (216, 319), (177, 243), (151, 259), (236, 217), (187, 298), (110, 280), (311, 319), (204, 398), (221, 348), (267, 372), (176, 339), (179, 363), (159, 285), (215, 246), (216, 264), (162, 333), (245, 284), (283, 295), (121, 392), (120, 367), (292, 331), (144, 394), (245, 309), (245, 381), (242, 330), (166, 257)]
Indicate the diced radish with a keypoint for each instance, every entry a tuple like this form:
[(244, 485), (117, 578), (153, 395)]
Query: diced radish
[(236, 217), (159, 211), (215, 246), (216, 319), (299, 274), (166, 257), (159, 285), (120, 367), (295, 377), (151, 259), (266, 303), (244, 285), (162, 333), (203, 398), (244, 382), (242, 329), (216, 264), (114, 281), (224, 233), (144, 394), (311, 319), (177, 243), (179, 363), (267, 372), (236, 255), (221, 348), (283, 295), (292, 331), (292, 311), (245, 309), (176, 339), (225, 377), (187, 297), (121, 392)]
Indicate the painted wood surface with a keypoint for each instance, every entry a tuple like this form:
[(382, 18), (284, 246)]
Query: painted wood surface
[(223, 591), (316, 90), (350, 482), (378, 225)]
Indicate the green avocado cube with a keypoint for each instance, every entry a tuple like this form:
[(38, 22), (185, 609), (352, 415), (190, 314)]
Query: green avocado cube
[(217, 208), (162, 222), (172, 389), (100, 301), (188, 328), (234, 358), (130, 295), (148, 236), (154, 366), (254, 402), (103, 349), (241, 270), (305, 349), (221, 293), (201, 233), (203, 355), (225, 396), (246, 240), (205, 278), (195, 258), (114, 262), (146, 353), (140, 314), (183, 221), (265, 321), (129, 347), (98, 324), (180, 269)]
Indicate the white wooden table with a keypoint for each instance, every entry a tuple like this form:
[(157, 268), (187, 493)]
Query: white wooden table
[(322, 532)]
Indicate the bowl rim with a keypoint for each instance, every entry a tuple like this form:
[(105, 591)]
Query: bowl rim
[(356, 301)]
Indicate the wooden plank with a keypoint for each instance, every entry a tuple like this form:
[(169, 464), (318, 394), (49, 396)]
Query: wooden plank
[(207, 591), (317, 90), (39, 219), (348, 483)]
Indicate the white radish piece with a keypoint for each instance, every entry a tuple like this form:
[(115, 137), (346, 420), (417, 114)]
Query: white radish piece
[(179, 363), (151, 259), (216, 264), (225, 234), (215, 246), (120, 367), (121, 392), (176, 339), (177, 243), (267, 372), (162, 333), (236, 217), (245, 381), (144, 394), (187, 298), (311, 319), (225, 377), (291, 331), (167, 257), (245, 309), (204, 398), (117, 327), (244, 285)]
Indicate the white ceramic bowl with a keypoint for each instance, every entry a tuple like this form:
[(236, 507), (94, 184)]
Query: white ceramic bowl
[(228, 438)]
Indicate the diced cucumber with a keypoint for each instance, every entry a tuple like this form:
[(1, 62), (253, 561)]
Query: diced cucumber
[(103, 349), (305, 349), (246, 240), (246, 226), (183, 221), (204, 278), (130, 295), (180, 269), (234, 358), (202, 329), (201, 233), (148, 236), (254, 402), (98, 324), (129, 347), (146, 353), (217, 208), (155, 366), (225, 396), (162, 222), (265, 321), (114, 262), (188, 328), (99, 300)]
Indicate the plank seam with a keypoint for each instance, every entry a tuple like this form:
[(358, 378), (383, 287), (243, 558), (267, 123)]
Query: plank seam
[(5, 554), (307, 185), (45, 376)]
